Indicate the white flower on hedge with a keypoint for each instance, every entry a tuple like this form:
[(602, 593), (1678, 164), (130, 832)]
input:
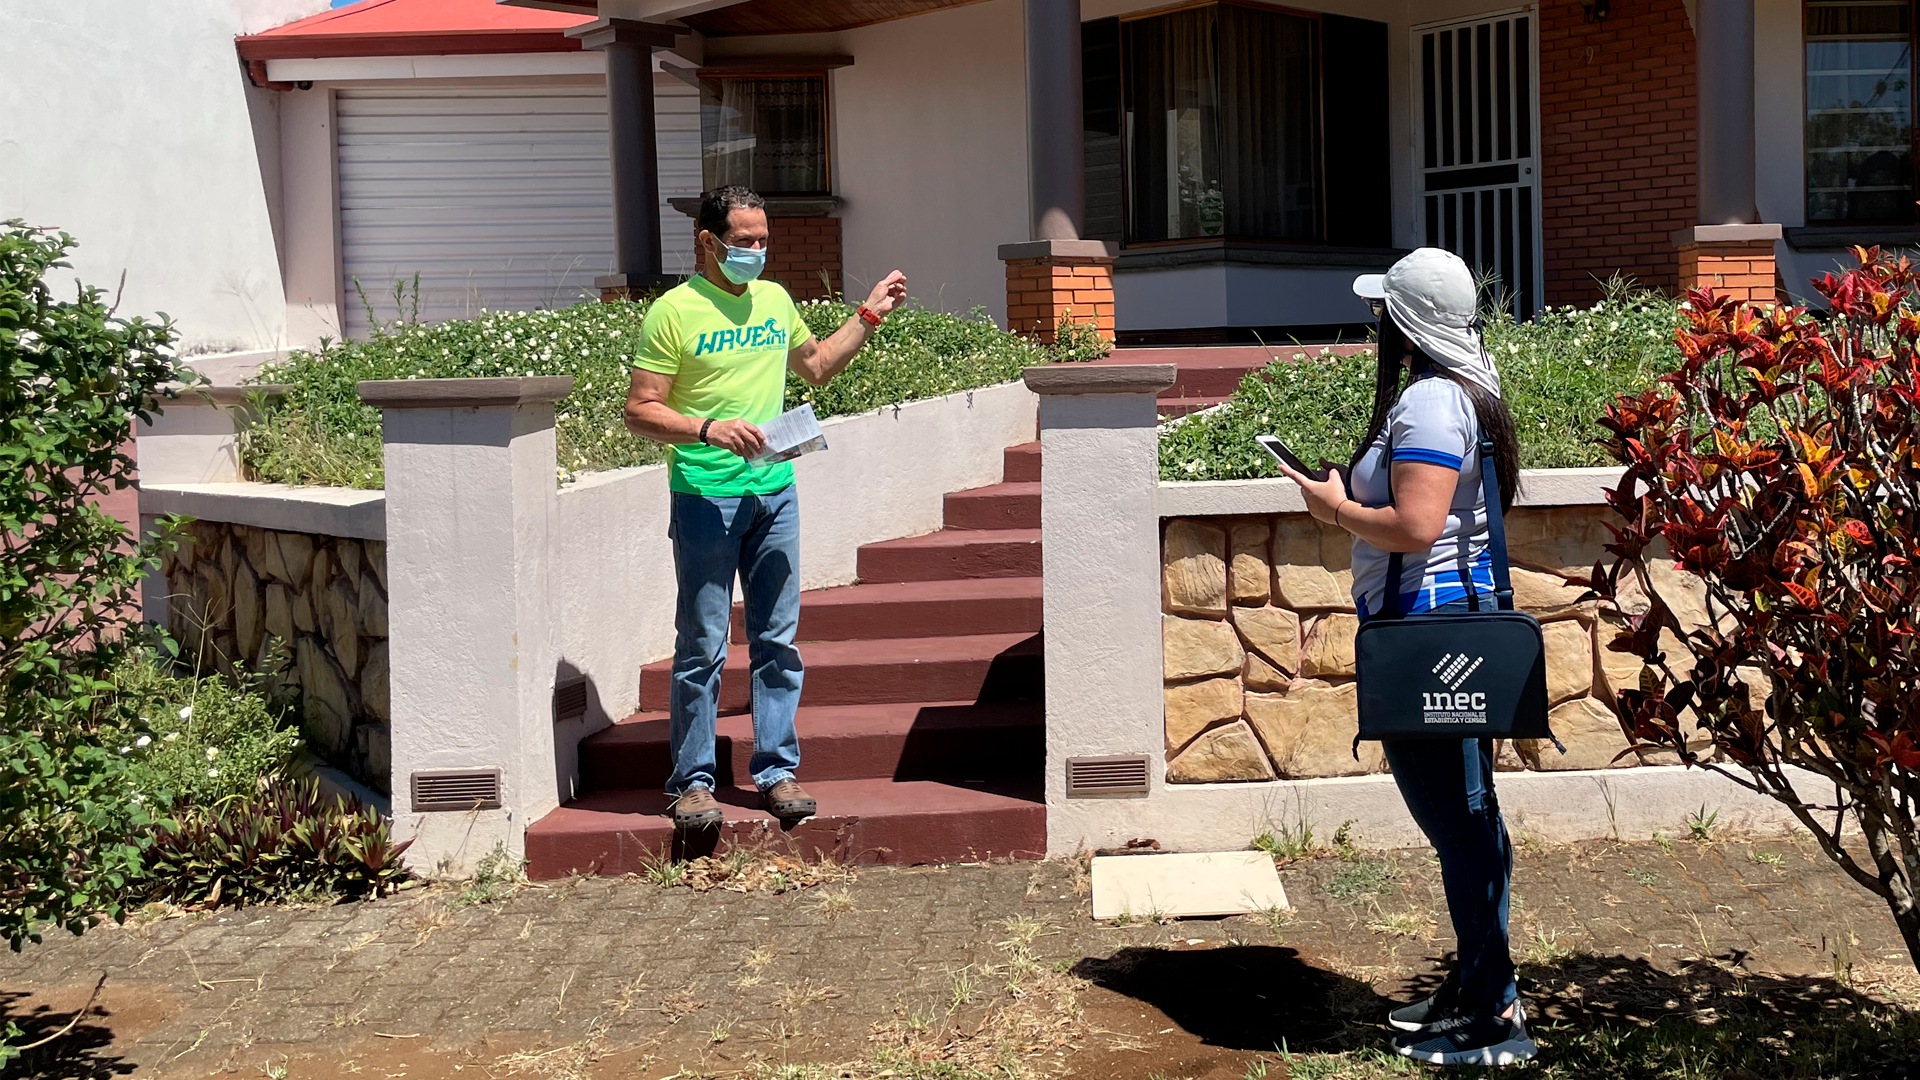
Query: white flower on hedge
[(212, 752), (124, 749), (186, 713), (143, 741), (213, 772), (171, 736)]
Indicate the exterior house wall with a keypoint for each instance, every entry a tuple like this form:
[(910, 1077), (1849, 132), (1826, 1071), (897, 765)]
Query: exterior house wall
[(132, 127), (1617, 144), (930, 152)]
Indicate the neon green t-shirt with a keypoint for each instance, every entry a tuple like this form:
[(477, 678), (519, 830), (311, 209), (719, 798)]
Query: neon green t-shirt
[(728, 358)]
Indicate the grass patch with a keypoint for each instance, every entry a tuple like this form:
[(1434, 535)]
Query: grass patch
[(321, 434), (1361, 878), (1557, 373)]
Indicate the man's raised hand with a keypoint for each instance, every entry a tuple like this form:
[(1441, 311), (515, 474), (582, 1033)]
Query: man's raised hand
[(889, 294), (737, 436)]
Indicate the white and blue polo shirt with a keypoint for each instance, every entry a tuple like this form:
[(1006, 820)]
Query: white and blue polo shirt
[(1434, 423)]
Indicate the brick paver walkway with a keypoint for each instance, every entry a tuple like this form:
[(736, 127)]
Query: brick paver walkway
[(670, 976)]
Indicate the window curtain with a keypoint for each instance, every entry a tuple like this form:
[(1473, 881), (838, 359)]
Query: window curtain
[(1173, 127), (1270, 148), (766, 134)]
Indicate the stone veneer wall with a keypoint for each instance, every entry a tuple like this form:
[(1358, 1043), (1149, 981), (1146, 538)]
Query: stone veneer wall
[(232, 588), (1257, 634)]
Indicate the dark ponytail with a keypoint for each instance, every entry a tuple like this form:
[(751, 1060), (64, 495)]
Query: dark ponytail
[(1496, 424)]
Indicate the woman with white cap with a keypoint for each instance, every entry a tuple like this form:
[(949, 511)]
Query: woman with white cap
[(1413, 487)]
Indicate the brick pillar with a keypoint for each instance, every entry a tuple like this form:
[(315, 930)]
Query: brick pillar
[(1732, 260), (1052, 280)]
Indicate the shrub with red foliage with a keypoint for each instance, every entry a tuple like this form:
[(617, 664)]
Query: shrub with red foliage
[(1781, 464)]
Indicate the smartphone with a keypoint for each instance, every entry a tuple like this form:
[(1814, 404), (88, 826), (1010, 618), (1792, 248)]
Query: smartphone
[(1286, 457)]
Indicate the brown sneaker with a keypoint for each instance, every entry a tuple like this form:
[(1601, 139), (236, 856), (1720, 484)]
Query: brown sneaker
[(696, 809), (788, 801)]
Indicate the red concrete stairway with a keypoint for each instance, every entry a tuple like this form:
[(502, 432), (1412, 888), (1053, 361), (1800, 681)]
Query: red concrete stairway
[(1209, 374), (920, 724)]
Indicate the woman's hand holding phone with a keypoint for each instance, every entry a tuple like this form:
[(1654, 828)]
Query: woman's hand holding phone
[(1324, 491)]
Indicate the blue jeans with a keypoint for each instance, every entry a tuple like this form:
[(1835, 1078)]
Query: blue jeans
[(758, 538), (1448, 788)]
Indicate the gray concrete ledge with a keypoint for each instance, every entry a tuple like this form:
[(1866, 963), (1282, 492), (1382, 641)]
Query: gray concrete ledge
[(464, 393), (323, 511), (176, 396), (1099, 378), (1209, 498), (1059, 249), (1558, 807), (1728, 234)]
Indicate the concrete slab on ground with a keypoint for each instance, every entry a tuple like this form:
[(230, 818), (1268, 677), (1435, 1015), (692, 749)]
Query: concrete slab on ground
[(1186, 885)]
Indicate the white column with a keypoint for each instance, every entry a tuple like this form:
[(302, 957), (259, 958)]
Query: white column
[(471, 509), (1100, 543)]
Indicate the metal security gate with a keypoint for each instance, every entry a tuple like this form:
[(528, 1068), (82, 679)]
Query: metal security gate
[(1478, 179)]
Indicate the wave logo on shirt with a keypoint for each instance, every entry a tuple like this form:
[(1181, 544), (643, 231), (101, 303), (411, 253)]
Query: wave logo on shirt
[(1452, 705), (765, 336)]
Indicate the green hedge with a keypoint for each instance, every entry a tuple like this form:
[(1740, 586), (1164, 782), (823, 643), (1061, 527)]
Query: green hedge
[(321, 433), (1557, 373)]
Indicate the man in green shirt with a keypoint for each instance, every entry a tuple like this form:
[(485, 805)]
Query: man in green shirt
[(714, 355)]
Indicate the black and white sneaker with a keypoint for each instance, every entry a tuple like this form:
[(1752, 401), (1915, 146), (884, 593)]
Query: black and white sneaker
[(1470, 1040), (1422, 1014)]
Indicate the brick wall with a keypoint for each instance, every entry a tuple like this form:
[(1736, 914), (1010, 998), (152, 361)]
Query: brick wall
[(1041, 292), (1617, 144), (801, 249)]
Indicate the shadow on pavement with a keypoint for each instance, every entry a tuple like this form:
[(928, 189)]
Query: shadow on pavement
[(1594, 1017), (1242, 997), (80, 1054)]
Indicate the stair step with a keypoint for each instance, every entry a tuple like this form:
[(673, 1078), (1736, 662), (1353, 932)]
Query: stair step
[(914, 609), (1183, 406), (1021, 464), (898, 823), (952, 741), (953, 554), (1001, 506), (977, 667)]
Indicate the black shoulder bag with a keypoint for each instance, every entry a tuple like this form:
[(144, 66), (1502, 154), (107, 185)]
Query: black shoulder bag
[(1473, 675)]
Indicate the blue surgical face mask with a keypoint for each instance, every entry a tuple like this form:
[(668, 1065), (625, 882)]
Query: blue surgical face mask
[(743, 264)]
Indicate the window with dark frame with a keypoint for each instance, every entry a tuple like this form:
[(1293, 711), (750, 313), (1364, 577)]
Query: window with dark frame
[(1860, 122), (767, 132), (1220, 124)]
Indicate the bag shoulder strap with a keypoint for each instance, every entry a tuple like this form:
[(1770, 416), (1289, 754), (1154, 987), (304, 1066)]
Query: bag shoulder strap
[(1496, 528), (1496, 533)]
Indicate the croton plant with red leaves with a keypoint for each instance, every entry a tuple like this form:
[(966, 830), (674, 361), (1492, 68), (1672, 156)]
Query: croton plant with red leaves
[(1781, 464)]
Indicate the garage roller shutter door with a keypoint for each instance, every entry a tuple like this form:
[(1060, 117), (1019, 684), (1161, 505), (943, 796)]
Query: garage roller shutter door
[(496, 197)]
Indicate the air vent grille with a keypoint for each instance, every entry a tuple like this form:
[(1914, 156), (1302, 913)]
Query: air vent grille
[(1120, 775), (570, 700), (456, 789)]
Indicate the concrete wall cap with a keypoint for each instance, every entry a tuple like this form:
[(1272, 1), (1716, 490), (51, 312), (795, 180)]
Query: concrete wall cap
[(180, 394), (1227, 498), (1072, 249), (1728, 234), (1099, 378), (464, 393)]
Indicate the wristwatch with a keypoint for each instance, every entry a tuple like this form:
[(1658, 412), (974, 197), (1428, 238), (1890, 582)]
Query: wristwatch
[(867, 315)]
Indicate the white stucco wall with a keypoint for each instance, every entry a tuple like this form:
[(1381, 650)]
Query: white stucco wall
[(930, 152), (132, 127)]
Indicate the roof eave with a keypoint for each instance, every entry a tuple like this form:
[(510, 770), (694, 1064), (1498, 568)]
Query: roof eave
[(424, 43)]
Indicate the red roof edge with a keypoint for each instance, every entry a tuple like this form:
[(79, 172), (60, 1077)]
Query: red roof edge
[(429, 43)]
